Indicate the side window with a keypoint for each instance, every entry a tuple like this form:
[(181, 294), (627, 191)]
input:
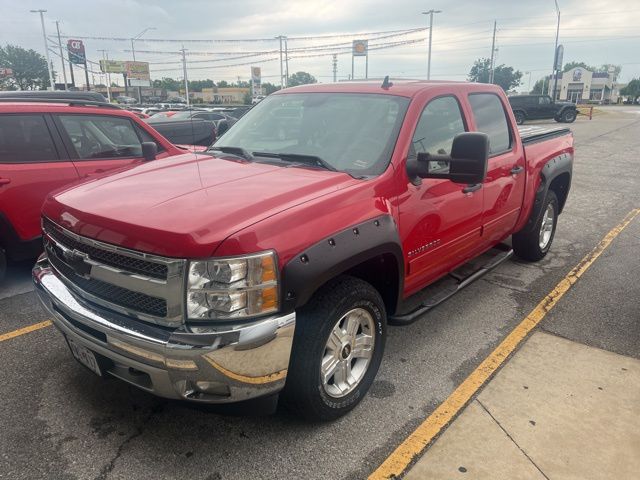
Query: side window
[(544, 100), (441, 120), (145, 137), (491, 119), (98, 136), (25, 139)]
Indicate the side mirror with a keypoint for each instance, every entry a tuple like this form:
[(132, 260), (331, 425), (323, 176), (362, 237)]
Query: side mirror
[(149, 150), (467, 163)]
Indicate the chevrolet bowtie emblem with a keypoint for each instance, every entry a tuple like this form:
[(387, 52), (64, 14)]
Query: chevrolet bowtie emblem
[(77, 261)]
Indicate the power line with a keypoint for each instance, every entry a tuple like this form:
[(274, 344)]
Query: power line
[(238, 40)]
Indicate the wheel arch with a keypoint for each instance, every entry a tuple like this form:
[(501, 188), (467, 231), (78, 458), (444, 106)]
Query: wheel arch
[(370, 251), (556, 175)]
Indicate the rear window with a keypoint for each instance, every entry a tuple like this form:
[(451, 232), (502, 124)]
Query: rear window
[(25, 139), (491, 119)]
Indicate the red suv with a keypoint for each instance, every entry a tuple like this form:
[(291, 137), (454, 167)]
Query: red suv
[(47, 143)]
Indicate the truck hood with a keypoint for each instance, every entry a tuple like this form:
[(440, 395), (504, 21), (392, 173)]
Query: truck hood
[(186, 205)]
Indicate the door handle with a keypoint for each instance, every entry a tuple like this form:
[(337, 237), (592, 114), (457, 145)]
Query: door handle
[(472, 188), (516, 170), (4, 181)]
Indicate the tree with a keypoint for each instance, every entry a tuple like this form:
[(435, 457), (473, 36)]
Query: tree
[(301, 78), (538, 86), (632, 89), (504, 76), (29, 69), (198, 85), (168, 84), (269, 88)]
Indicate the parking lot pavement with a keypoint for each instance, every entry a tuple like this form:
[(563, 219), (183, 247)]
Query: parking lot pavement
[(62, 422), (558, 409)]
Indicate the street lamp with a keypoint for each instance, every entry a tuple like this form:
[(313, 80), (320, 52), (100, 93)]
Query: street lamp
[(133, 51), (46, 47), (555, 55), (430, 13), (529, 85)]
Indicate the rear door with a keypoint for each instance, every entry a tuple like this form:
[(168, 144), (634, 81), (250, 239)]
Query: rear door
[(99, 143), (504, 185), (33, 162)]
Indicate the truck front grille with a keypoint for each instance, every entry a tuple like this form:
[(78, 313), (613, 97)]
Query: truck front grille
[(111, 293), (135, 265), (129, 282)]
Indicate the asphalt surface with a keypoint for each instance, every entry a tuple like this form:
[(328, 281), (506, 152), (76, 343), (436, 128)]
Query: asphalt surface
[(60, 421)]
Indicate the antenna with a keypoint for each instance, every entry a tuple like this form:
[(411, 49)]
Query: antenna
[(386, 84)]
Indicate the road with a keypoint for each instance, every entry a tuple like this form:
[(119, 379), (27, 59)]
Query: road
[(60, 421)]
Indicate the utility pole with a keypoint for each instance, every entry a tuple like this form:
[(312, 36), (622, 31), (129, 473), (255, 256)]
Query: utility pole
[(46, 48), (64, 71), (280, 37), (493, 51), (133, 52), (184, 71), (105, 56), (430, 13), (286, 62), (335, 68), (555, 53)]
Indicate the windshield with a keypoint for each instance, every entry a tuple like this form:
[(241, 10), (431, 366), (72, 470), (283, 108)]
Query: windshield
[(353, 133)]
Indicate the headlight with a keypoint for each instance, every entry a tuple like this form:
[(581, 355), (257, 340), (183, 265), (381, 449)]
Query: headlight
[(237, 287)]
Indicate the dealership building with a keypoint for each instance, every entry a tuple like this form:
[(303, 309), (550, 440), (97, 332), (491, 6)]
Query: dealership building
[(581, 85)]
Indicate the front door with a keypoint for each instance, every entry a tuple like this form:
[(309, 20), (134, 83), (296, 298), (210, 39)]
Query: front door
[(439, 223), (504, 184), (99, 143)]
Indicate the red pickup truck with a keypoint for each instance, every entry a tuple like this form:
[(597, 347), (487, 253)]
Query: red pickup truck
[(274, 263), (51, 139)]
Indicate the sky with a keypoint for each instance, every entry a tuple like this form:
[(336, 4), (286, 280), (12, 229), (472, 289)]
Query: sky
[(592, 31)]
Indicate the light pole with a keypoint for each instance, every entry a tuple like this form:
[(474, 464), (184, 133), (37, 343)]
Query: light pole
[(529, 84), (555, 55), (64, 71), (133, 51), (430, 13), (46, 47)]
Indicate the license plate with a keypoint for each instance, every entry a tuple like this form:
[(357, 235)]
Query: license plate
[(85, 356)]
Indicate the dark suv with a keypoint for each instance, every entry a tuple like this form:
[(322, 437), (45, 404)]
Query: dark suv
[(536, 107), (47, 142)]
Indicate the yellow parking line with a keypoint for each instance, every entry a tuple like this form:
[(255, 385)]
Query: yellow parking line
[(25, 330), (413, 445)]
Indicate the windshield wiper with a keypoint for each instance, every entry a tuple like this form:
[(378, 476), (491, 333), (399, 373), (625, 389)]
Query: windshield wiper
[(312, 160), (238, 151)]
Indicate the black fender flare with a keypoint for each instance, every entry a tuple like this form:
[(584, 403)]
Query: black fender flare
[(306, 272), (555, 167)]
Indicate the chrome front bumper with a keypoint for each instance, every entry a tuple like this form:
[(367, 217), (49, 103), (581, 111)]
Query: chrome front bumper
[(224, 364)]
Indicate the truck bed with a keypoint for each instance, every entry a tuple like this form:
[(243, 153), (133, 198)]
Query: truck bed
[(533, 134)]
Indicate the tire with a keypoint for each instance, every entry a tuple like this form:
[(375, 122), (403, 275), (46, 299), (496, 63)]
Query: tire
[(533, 245), (520, 117), (568, 116), (341, 302)]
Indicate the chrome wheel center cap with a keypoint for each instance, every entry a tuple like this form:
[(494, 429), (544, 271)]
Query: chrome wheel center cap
[(346, 351)]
